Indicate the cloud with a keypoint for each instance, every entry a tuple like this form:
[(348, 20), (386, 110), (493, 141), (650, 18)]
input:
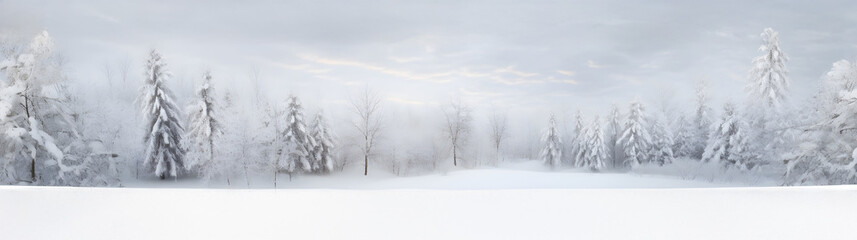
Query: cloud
[(442, 77), (404, 101), (567, 73), (592, 64), (511, 70)]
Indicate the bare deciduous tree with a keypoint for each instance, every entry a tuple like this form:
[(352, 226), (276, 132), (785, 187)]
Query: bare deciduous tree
[(458, 119), (498, 132), (367, 106)]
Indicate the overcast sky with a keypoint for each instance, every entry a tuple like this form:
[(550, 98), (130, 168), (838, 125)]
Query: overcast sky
[(544, 55)]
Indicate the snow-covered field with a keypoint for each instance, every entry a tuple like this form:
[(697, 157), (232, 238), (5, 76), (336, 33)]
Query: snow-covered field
[(509, 175), (548, 205)]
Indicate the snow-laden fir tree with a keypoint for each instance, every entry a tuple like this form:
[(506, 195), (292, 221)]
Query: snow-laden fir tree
[(576, 142), (728, 141), (582, 147), (204, 132), (38, 128), (662, 143), (683, 142), (768, 82), (613, 133), (635, 138), (701, 121), (767, 90), (597, 152), (294, 142), (322, 152), (552, 151), (827, 151), (164, 152)]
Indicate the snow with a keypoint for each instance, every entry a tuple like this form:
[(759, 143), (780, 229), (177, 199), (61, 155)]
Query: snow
[(146, 213)]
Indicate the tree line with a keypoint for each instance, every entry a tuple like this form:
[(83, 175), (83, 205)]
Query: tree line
[(46, 141)]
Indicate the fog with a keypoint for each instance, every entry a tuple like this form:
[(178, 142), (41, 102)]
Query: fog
[(520, 60)]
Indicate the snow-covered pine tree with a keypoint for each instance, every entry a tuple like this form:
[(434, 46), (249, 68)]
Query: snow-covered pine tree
[(701, 121), (683, 142), (827, 150), (294, 142), (662, 143), (767, 89), (322, 152), (37, 127), (164, 153), (768, 81), (635, 138), (204, 133), (577, 141), (597, 153), (582, 150), (728, 141), (552, 150), (614, 132)]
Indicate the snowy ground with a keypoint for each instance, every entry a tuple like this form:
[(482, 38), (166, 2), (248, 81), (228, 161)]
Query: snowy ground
[(514, 175), (514, 204)]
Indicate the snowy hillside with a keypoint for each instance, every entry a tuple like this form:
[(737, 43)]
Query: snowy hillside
[(145, 213)]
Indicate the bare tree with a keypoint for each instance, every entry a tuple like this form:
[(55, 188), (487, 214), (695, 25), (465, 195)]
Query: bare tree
[(458, 119), (498, 132), (367, 106)]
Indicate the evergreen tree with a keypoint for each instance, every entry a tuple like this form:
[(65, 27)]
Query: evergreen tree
[(662, 143), (294, 142), (577, 141), (204, 132), (552, 150), (768, 82), (728, 142), (164, 153), (322, 152), (597, 153), (683, 142), (635, 138), (767, 90)]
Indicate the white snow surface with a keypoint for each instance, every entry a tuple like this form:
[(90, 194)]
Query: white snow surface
[(463, 204)]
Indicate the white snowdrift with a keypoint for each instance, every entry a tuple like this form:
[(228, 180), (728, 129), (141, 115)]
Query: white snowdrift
[(711, 213)]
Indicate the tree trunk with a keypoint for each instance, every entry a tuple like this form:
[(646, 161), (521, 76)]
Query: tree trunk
[(454, 157), (33, 169), (275, 178), (365, 164)]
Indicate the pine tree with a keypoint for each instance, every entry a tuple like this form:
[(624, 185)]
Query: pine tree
[(577, 141), (635, 138), (662, 143), (294, 141), (322, 152), (204, 132), (768, 77), (597, 153), (614, 132), (164, 153), (683, 142), (767, 88), (552, 150), (728, 142)]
